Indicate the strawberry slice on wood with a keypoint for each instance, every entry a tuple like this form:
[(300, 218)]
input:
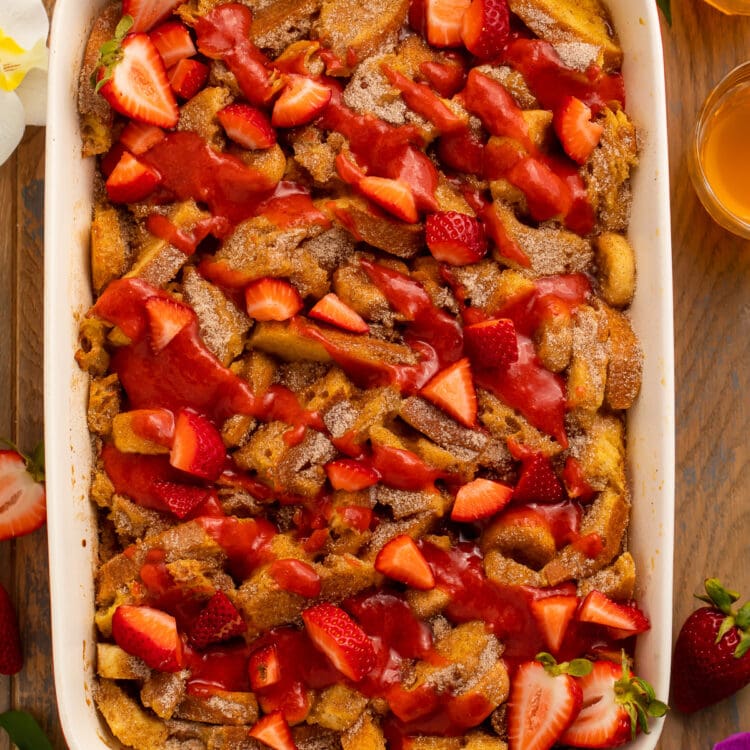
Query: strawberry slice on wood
[(443, 20), (296, 576), (23, 507), (623, 620), (394, 196), (331, 309), (455, 238), (149, 634), (272, 299), (218, 621), (166, 318), (132, 78), (301, 101), (538, 482), (247, 126), (545, 698), (273, 730), (147, 13), (402, 560), (578, 134), (485, 28), (11, 654), (480, 498), (553, 615), (131, 180), (616, 706), (188, 77), (264, 668), (197, 447), (350, 475), (452, 390), (491, 343), (173, 41), (340, 638)]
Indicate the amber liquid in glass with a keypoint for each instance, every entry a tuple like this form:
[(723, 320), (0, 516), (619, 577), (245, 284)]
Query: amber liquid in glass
[(731, 7), (725, 153)]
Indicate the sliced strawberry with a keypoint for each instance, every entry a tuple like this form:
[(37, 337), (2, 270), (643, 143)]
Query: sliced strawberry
[(247, 126), (180, 499), (149, 634), (133, 79), (147, 13), (538, 482), (218, 621), (331, 309), (301, 101), (443, 21), (480, 498), (340, 638), (455, 238), (402, 560), (197, 447), (188, 77), (131, 180), (491, 343), (578, 135), (354, 517), (546, 194), (272, 299), (348, 169), (394, 196), (452, 389), (273, 730), (623, 620), (485, 27), (350, 475), (23, 506), (264, 668), (166, 318), (553, 615), (173, 41), (11, 654), (541, 706), (137, 137), (616, 705), (296, 576)]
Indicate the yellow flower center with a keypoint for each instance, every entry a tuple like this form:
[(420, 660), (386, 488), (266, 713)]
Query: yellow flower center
[(16, 62)]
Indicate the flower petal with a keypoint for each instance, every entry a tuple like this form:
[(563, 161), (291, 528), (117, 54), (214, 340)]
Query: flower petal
[(25, 21), (33, 95), (12, 123)]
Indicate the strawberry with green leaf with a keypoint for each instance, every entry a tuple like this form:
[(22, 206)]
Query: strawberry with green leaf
[(23, 507), (712, 653)]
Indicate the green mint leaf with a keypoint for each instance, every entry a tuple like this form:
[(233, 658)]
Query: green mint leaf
[(665, 9), (23, 731)]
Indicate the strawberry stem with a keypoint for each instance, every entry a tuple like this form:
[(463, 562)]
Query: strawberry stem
[(575, 668), (34, 462), (110, 53), (638, 698), (722, 599)]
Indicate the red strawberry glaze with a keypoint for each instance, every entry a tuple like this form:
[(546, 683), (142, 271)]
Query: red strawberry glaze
[(245, 541), (187, 241)]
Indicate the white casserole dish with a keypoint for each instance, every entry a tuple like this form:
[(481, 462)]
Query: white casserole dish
[(71, 525)]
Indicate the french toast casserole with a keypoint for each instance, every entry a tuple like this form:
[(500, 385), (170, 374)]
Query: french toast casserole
[(359, 362)]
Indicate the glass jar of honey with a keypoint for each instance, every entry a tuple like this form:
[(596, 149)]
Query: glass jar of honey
[(731, 7), (719, 157)]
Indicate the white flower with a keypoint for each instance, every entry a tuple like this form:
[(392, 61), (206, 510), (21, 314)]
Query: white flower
[(23, 64)]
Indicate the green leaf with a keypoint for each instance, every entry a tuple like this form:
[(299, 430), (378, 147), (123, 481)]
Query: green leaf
[(23, 731), (665, 9), (579, 667)]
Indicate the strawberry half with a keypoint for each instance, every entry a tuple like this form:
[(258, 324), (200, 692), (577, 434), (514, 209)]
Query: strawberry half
[(272, 299), (616, 705), (402, 560), (623, 620), (544, 700), (578, 135), (538, 482), (23, 507), (455, 238), (394, 196), (340, 638), (330, 309), (480, 498), (147, 13), (133, 79), (301, 101), (149, 634), (273, 730), (247, 126), (348, 474), (218, 621), (138, 137), (452, 389), (296, 576), (485, 27), (491, 343), (11, 655), (173, 41), (264, 668), (188, 77), (553, 615), (443, 19), (197, 447), (131, 180), (547, 195), (166, 318)]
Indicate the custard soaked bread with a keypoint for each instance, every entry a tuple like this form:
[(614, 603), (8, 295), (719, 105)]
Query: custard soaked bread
[(359, 360)]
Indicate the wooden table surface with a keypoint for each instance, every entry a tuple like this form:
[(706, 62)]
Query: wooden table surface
[(712, 354)]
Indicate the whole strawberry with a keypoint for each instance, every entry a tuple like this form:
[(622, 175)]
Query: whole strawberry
[(712, 654), (11, 659)]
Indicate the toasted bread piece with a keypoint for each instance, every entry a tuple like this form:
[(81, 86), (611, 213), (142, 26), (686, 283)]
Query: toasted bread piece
[(127, 439), (353, 286), (532, 545), (103, 404), (162, 692), (198, 115), (484, 741), (427, 604), (113, 663), (286, 342), (616, 581), (110, 247), (625, 365), (219, 707), (553, 340), (127, 720), (364, 734), (615, 261), (587, 375), (317, 153), (278, 23), (508, 572), (133, 522), (337, 707), (601, 452), (92, 356), (565, 21)]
